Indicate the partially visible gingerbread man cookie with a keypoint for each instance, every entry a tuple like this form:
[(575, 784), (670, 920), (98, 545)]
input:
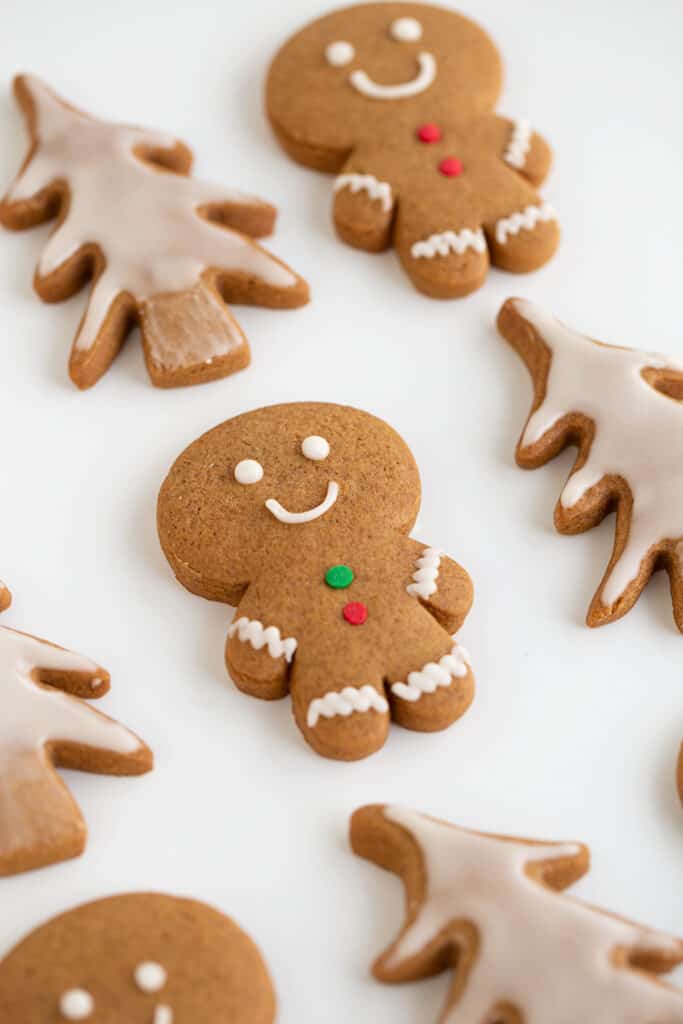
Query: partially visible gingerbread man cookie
[(299, 515), (621, 408), (163, 250), (46, 723), (142, 958), (397, 100), (491, 908)]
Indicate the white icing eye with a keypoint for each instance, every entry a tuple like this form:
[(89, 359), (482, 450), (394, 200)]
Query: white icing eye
[(248, 471), (406, 30), (315, 448), (339, 53), (150, 976), (76, 1004)]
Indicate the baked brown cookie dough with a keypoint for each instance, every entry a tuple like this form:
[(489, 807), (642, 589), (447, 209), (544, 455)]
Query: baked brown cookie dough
[(299, 515), (621, 409), (491, 908), (397, 100), (679, 773), (162, 249), (45, 723), (142, 958)]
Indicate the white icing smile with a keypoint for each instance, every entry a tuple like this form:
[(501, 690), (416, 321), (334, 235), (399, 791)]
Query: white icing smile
[(285, 516), (362, 82)]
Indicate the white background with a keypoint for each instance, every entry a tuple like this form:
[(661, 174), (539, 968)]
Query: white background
[(574, 732)]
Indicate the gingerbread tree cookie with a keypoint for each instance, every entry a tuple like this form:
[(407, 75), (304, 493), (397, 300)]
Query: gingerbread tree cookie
[(620, 408), (491, 908), (299, 515), (397, 100), (163, 250), (45, 723), (138, 958)]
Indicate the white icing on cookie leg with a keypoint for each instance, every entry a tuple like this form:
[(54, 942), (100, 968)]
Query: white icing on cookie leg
[(433, 675), (519, 144), (426, 574), (447, 242), (259, 636), (376, 189), (344, 702), (526, 220), (638, 434)]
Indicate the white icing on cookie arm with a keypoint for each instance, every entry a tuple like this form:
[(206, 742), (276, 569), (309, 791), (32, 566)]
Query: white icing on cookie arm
[(258, 657), (522, 148), (441, 584)]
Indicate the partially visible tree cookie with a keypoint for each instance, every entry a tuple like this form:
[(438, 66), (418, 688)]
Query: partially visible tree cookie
[(45, 723), (622, 410), (491, 908), (299, 515), (163, 249), (397, 100), (141, 958)]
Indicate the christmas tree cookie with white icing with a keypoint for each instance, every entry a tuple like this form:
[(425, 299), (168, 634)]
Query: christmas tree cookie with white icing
[(138, 958), (46, 723), (162, 249), (299, 516), (492, 908), (622, 410), (397, 100)]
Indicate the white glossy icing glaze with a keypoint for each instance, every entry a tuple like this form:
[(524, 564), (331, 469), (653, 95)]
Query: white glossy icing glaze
[(549, 956), (259, 636), (519, 145), (426, 74), (339, 53), (426, 574), (345, 702), (315, 447), (33, 714), (76, 1004), (447, 242), (376, 189), (144, 219), (638, 434), (526, 220), (150, 976), (285, 516), (433, 675)]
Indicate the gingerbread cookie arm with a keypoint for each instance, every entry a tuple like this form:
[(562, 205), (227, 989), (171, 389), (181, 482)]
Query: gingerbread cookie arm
[(44, 726), (258, 655), (440, 584), (364, 204), (519, 146)]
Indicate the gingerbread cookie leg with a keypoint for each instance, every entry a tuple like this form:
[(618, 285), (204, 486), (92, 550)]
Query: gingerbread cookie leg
[(442, 250), (521, 230)]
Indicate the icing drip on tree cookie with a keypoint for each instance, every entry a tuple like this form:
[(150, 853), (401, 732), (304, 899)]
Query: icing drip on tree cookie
[(638, 435), (547, 955)]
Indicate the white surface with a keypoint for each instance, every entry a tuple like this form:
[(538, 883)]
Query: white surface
[(574, 732)]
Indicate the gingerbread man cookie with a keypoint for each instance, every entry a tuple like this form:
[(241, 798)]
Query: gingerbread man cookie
[(491, 908), (163, 250), (397, 99), (142, 958), (45, 723), (299, 515), (621, 409)]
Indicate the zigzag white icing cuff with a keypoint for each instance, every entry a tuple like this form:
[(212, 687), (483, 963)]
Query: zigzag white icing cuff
[(449, 241), (526, 219), (426, 574), (344, 703), (375, 188), (433, 675), (519, 144), (255, 633)]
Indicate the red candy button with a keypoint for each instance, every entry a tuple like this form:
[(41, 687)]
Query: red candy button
[(429, 133), (451, 166), (355, 613)]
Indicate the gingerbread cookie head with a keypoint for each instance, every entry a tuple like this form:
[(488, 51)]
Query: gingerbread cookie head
[(145, 958), (345, 77), (266, 487)]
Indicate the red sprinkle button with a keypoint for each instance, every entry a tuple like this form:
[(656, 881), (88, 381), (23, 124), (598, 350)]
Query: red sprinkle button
[(451, 166), (355, 613), (429, 133)]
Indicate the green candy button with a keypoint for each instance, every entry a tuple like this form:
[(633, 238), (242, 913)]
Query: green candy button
[(339, 577)]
